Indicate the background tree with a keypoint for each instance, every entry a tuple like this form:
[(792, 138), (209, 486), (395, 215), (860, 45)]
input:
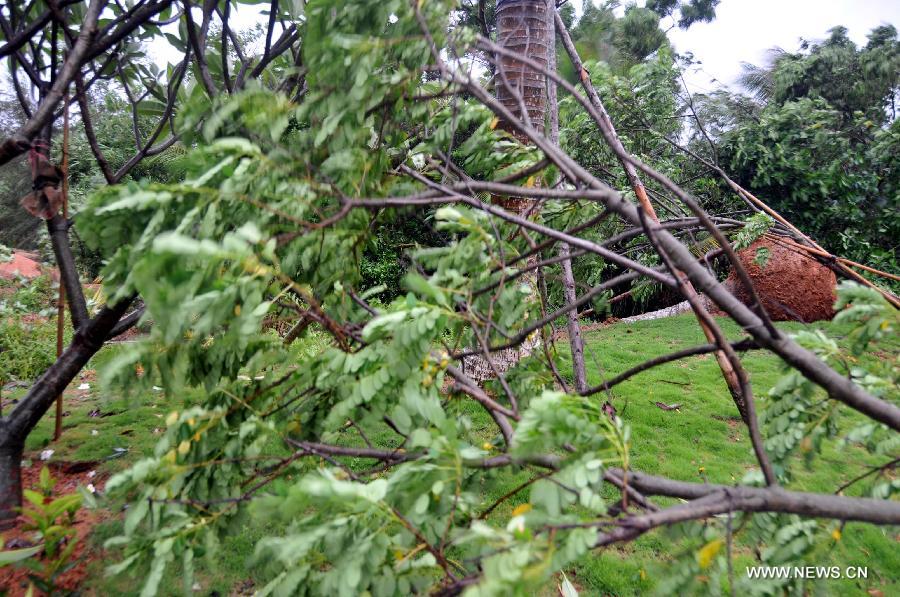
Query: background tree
[(685, 14), (54, 51), (818, 144)]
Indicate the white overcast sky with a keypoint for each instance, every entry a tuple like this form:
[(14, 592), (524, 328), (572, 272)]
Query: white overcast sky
[(742, 32), (744, 29)]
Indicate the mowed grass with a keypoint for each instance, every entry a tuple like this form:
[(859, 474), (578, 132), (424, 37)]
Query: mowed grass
[(703, 441), (111, 433), (706, 441)]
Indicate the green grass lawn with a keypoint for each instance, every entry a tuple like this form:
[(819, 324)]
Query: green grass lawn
[(707, 434), (704, 440)]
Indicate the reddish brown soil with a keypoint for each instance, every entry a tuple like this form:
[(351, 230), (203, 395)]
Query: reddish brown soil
[(68, 475), (792, 286), (22, 264)]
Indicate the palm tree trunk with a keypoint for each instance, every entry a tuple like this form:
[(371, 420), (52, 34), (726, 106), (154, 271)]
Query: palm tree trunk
[(525, 27)]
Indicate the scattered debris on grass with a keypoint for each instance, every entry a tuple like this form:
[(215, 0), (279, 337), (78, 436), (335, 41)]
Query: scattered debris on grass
[(674, 406)]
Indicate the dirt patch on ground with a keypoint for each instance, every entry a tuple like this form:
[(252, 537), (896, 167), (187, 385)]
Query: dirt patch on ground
[(69, 475), (25, 265), (735, 425), (22, 264), (791, 285)]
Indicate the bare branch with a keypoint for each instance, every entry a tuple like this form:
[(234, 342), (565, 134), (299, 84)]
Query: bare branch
[(21, 141)]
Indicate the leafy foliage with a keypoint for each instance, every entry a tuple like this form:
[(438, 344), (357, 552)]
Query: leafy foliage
[(52, 521), (27, 336), (819, 143), (819, 171), (274, 206)]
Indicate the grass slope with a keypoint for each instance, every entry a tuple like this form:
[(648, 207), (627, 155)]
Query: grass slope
[(704, 440)]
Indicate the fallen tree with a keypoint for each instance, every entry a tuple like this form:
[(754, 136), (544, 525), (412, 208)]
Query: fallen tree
[(283, 191)]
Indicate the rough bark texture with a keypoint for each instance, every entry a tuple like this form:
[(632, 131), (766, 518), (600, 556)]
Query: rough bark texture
[(10, 485), (791, 285), (526, 27)]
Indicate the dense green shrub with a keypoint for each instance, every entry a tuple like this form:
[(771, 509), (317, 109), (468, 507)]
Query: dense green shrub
[(27, 334), (27, 347)]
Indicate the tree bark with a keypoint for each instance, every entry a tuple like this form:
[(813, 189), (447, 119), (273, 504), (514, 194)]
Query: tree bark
[(524, 26), (14, 429), (58, 229), (573, 326), (10, 485)]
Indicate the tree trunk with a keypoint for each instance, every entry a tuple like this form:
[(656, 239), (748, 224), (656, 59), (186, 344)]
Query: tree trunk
[(573, 326), (10, 484), (576, 341), (525, 27)]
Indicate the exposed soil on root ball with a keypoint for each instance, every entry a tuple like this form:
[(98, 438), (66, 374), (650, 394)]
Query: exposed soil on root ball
[(791, 285)]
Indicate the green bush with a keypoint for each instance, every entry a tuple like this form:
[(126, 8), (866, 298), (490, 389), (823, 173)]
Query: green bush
[(27, 348), (36, 296), (27, 329)]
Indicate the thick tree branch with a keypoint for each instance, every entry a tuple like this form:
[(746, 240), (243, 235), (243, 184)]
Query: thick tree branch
[(58, 229), (21, 141), (87, 341)]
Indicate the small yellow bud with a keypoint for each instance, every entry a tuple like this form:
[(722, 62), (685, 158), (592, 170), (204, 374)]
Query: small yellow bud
[(521, 509), (708, 552), (184, 447), (237, 310), (806, 444), (172, 418), (170, 457), (836, 534), (488, 446)]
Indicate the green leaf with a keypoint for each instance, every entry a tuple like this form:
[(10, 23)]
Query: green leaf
[(17, 555)]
